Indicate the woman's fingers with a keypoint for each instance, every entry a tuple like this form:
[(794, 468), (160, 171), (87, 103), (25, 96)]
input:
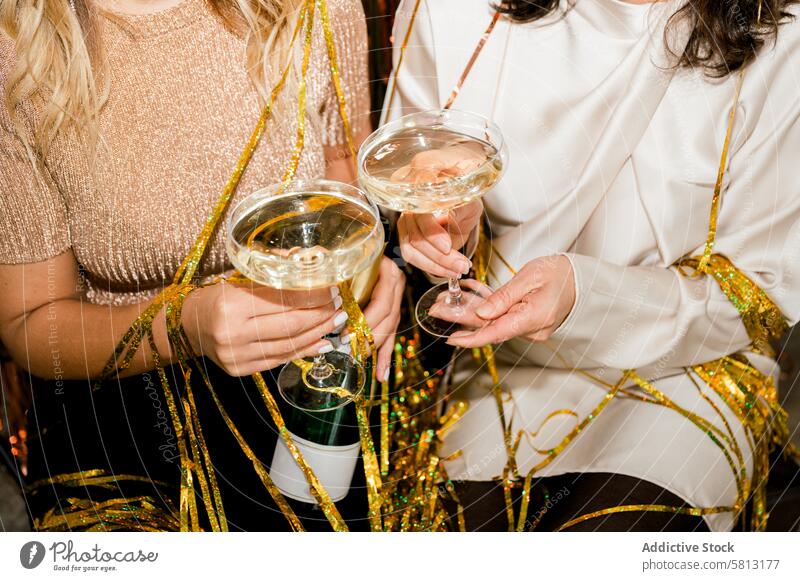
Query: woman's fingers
[(383, 313), (422, 254), (383, 334), (242, 368), (533, 317), (292, 323), (524, 282), (477, 286), (465, 314), (434, 232), (416, 258), (495, 332), (287, 342), (463, 221), (282, 347), (384, 363)]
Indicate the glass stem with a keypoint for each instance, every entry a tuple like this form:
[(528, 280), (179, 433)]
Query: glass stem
[(454, 294), (320, 370)]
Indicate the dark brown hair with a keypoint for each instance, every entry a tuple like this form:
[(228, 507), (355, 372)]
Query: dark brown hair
[(724, 35)]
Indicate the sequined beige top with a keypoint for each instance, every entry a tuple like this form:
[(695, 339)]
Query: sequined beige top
[(180, 110)]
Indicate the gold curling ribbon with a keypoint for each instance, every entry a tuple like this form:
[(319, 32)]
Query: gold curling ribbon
[(484, 37), (753, 398), (96, 477), (363, 349), (416, 430), (336, 78), (400, 59), (301, 96), (362, 342), (645, 508), (715, 199)]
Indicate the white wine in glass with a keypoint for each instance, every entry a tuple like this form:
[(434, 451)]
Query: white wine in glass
[(303, 236), (434, 162)]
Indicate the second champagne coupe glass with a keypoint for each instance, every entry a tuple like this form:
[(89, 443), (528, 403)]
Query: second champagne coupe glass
[(303, 236), (434, 162)]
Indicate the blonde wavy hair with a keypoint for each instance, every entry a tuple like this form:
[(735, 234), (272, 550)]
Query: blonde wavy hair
[(58, 57)]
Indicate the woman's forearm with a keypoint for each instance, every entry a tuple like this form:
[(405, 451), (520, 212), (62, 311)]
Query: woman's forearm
[(72, 339)]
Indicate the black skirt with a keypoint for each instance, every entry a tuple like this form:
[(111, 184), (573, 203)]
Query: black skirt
[(124, 429)]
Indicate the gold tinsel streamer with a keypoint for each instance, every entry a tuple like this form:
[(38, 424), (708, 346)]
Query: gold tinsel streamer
[(138, 513), (412, 500), (400, 59), (753, 398), (761, 317)]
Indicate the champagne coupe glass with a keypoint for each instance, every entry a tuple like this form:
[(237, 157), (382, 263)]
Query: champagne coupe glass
[(302, 236), (434, 162)]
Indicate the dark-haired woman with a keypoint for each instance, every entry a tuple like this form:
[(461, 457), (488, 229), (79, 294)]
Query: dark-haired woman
[(616, 115), (120, 124)]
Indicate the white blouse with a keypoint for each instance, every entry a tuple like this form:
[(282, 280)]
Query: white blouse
[(613, 159)]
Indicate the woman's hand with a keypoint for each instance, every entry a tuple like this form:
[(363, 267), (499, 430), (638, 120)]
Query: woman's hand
[(531, 305), (245, 329), (383, 313), (431, 243)]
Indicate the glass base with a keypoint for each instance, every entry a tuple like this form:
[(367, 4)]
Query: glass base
[(304, 388), (440, 316)]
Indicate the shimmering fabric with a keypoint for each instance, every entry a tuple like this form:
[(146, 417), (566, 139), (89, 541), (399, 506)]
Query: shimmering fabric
[(181, 107)]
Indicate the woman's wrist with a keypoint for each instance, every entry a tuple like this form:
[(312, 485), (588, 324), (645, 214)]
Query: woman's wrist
[(161, 338), (190, 319)]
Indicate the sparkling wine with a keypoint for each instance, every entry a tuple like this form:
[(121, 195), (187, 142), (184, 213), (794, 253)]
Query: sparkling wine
[(428, 169), (305, 240)]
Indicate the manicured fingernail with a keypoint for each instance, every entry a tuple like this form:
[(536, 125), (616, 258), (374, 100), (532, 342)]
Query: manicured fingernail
[(345, 339), (334, 291), (337, 301), (339, 319), (386, 375), (327, 348)]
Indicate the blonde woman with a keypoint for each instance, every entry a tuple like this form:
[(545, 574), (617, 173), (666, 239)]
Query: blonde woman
[(121, 122)]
